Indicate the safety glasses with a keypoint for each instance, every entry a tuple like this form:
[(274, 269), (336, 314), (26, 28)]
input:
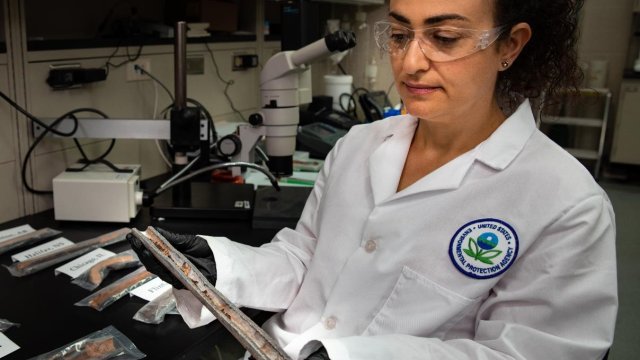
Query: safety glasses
[(437, 43)]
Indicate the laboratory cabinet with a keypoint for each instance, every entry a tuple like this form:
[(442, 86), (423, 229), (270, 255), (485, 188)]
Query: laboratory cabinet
[(112, 23), (357, 2), (625, 147), (578, 123)]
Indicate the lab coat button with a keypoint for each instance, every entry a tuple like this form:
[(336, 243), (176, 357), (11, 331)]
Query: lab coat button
[(370, 246), (330, 323)]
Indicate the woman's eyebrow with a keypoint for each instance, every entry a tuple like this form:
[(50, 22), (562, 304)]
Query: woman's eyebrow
[(434, 20), (444, 17), (399, 17)]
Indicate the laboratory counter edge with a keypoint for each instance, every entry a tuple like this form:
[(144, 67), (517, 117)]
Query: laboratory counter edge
[(43, 303)]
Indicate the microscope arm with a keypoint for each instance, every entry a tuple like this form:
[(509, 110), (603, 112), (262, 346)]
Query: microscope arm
[(100, 128), (289, 62)]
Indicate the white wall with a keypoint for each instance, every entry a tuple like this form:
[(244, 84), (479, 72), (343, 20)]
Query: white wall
[(605, 35), (10, 200)]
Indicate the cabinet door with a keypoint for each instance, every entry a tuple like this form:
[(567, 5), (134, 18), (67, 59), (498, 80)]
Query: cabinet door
[(626, 147)]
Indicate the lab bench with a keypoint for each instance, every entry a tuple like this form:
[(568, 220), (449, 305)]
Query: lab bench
[(43, 304)]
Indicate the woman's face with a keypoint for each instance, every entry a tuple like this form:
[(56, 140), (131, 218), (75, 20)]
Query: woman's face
[(451, 90)]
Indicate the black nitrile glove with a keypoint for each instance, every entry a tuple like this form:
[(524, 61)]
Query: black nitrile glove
[(320, 354), (194, 248)]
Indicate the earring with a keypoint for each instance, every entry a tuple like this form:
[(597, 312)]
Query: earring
[(505, 64)]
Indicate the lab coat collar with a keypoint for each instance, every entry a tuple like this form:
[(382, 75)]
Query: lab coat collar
[(497, 151), (387, 161)]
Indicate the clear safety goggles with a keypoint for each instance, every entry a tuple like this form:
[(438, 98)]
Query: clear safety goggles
[(437, 43)]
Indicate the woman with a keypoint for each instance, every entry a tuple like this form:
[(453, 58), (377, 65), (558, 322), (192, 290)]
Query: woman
[(456, 232)]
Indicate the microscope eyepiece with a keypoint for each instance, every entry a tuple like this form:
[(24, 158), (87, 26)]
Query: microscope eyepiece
[(340, 40)]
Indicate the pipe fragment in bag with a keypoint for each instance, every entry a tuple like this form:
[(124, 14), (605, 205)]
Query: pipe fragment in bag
[(259, 344), (28, 239), (44, 261)]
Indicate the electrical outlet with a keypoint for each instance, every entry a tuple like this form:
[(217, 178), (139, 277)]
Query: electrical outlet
[(134, 74), (244, 61)]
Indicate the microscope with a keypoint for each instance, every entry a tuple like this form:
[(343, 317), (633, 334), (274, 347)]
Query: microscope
[(285, 83)]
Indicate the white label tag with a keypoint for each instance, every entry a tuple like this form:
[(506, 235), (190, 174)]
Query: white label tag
[(42, 249), (76, 267), (7, 346), (151, 289), (15, 232)]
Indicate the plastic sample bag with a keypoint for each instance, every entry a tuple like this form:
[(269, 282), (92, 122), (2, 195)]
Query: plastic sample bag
[(93, 277), (6, 324), (108, 343), (154, 311), (28, 239), (107, 296), (36, 264)]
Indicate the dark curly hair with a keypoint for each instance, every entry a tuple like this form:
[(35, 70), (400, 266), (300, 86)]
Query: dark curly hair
[(548, 63)]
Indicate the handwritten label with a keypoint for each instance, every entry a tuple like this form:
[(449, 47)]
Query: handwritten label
[(76, 267), (15, 232), (7, 346), (151, 289), (40, 250)]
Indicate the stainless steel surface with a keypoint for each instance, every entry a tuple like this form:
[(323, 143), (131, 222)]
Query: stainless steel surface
[(259, 344)]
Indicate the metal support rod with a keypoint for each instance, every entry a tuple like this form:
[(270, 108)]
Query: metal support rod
[(180, 66)]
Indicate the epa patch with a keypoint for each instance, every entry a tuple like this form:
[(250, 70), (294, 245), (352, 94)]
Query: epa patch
[(484, 248)]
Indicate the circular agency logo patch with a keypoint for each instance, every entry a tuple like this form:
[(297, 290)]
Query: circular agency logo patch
[(484, 248)]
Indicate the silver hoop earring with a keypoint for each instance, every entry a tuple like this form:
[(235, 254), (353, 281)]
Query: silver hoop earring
[(505, 64)]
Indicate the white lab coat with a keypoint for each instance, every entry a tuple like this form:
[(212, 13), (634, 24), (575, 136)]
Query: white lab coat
[(370, 272)]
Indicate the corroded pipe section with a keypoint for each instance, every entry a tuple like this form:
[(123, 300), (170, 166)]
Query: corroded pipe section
[(259, 344)]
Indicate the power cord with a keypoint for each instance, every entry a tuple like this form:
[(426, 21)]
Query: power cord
[(203, 111), (108, 64), (35, 119), (23, 171), (180, 180), (227, 83), (351, 103), (161, 151), (149, 74), (52, 129)]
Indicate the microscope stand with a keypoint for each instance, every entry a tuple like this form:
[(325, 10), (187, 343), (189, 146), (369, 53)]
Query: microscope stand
[(208, 201)]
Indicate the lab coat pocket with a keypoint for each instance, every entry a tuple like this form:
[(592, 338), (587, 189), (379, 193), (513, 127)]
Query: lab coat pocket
[(418, 306)]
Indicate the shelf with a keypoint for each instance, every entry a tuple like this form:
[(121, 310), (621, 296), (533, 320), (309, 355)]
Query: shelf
[(591, 95), (60, 44), (567, 120), (595, 91), (631, 74), (583, 153)]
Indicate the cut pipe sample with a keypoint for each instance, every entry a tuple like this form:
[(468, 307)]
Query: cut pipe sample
[(259, 344)]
